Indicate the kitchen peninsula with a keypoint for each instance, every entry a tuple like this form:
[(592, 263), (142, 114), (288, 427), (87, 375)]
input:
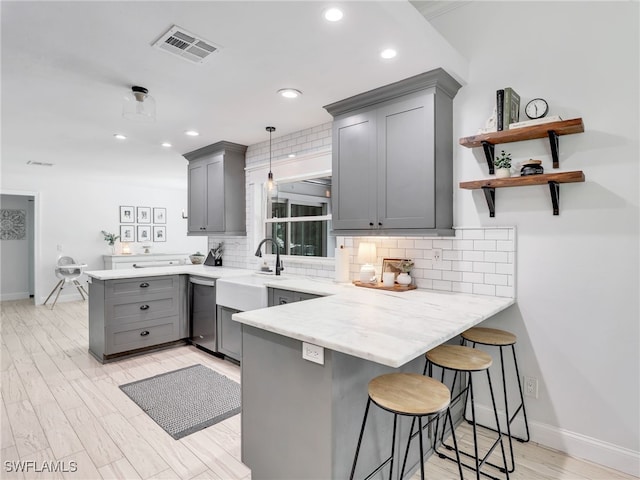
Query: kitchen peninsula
[(301, 419)]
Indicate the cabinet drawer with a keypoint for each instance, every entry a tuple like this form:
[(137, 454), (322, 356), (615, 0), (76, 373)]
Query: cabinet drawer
[(141, 286), (151, 306), (141, 334)]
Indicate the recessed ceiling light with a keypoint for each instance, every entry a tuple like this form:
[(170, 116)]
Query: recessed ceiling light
[(292, 155), (333, 14), (289, 92), (120, 136), (166, 144), (191, 133), (388, 53)]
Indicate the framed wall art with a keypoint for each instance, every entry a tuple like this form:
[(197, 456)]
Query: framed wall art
[(127, 233), (159, 233), (391, 265), (144, 214), (144, 233), (127, 215), (159, 215)]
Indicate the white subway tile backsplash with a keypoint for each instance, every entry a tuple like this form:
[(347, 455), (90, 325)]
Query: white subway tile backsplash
[(441, 285), (497, 257), (495, 279), (462, 266), (473, 256), (497, 234), (405, 243), (484, 267), (452, 276), (463, 244), (443, 243), (505, 245), (473, 234), (505, 291), (484, 245), (482, 289), (424, 244), (462, 287), (473, 277), (442, 265)]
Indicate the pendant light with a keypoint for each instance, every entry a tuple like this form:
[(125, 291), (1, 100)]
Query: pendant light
[(270, 181), (139, 105)]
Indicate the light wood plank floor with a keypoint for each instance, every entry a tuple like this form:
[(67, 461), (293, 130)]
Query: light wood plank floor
[(60, 404)]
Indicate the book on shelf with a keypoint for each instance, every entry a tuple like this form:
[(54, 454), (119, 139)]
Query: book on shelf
[(537, 121), (500, 109), (511, 108), (507, 108)]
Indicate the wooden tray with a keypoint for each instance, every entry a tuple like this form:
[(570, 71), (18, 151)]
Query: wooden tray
[(380, 286)]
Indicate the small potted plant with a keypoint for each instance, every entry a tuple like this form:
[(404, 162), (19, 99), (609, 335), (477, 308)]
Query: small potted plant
[(405, 267), (111, 238), (502, 165)]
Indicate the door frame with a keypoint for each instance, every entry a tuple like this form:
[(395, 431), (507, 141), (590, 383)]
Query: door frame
[(36, 236)]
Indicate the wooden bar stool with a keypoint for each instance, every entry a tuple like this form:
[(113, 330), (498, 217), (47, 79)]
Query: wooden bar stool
[(407, 394), (461, 359), (501, 339)]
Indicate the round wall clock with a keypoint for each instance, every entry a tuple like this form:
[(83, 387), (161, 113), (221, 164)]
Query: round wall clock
[(536, 108)]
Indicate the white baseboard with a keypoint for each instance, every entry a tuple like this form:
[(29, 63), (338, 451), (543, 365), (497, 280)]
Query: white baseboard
[(571, 443), (13, 296)]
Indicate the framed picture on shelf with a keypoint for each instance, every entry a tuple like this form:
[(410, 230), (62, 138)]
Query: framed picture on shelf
[(144, 214), (159, 233), (127, 233), (159, 215), (127, 215), (390, 265), (144, 233)]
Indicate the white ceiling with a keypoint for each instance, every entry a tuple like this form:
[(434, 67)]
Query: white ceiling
[(67, 65)]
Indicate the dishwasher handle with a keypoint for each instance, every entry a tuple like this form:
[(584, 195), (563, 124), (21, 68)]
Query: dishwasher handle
[(203, 281)]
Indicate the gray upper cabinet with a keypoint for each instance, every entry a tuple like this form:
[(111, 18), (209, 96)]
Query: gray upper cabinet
[(393, 158), (217, 190)]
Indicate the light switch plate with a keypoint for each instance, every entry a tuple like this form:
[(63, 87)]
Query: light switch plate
[(313, 353)]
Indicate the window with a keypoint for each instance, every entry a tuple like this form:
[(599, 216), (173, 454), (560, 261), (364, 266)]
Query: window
[(299, 219)]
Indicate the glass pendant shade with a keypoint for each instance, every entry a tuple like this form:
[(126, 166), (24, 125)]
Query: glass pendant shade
[(139, 105)]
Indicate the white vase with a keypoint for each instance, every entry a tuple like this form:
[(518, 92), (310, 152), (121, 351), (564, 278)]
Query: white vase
[(403, 279), (503, 172)]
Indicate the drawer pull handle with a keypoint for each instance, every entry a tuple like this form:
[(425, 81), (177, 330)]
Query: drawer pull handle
[(283, 301), (144, 333), (144, 285), (144, 307)]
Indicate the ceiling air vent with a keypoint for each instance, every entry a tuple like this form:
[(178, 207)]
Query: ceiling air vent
[(186, 45)]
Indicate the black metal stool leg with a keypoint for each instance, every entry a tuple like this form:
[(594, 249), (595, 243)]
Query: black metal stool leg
[(524, 410), (364, 421), (495, 410)]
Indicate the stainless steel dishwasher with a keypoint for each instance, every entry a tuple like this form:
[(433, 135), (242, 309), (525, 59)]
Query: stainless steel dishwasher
[(202, 313)]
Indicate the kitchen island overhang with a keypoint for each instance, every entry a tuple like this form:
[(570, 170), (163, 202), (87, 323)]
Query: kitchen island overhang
[(301, 419)]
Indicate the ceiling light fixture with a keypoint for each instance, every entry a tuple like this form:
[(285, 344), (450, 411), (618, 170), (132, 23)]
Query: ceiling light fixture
[(120, 136), (139, 105), (191, 133), (333, 14), (289, 92), (166, 144), (388, 53), (270, 181)]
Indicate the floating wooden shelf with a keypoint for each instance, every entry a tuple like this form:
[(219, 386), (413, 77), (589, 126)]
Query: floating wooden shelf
[(554, 180), (552, 130)]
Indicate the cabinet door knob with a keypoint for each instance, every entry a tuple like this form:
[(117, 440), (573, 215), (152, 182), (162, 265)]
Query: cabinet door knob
[(144, 333), (144, 307), (371, 224), (283, 301), (379, 224), (144, 285)]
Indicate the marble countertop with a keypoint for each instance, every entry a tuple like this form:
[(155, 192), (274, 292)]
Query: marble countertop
[(390, 328), (188, 269)]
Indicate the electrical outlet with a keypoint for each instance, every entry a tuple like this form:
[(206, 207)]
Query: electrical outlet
[(437, 254), (313, 353), (59, 247), (531, 386)]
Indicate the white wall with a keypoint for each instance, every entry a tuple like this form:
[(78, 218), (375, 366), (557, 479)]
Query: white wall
[(15, 255), (73, 210), (577, 315)]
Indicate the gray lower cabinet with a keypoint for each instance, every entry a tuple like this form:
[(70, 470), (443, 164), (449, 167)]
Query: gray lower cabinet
[(131, 315), (392, 152), (278, 296), (229, 333), (216, 185)]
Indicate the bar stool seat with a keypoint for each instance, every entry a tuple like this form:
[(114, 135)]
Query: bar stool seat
[(407, 394), (501, 338), (462, 359)]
